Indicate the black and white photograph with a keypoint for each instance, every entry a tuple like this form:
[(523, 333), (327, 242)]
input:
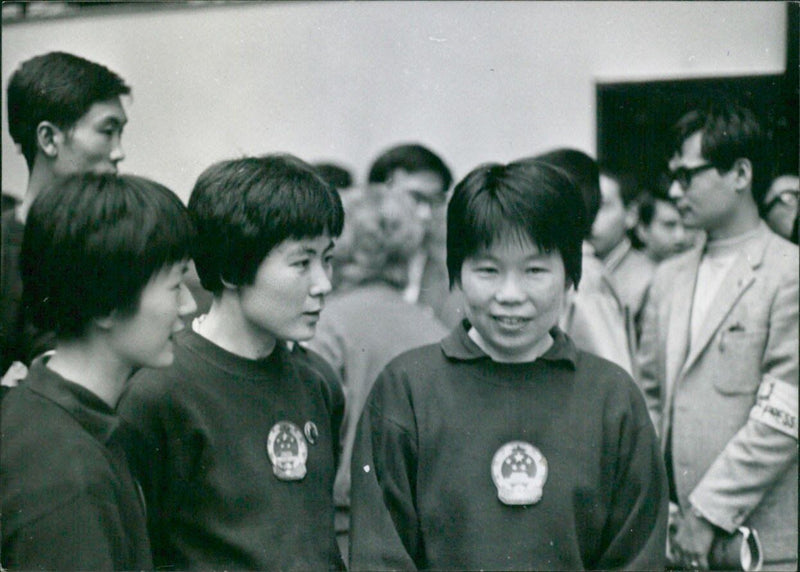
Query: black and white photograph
[(368, 285)]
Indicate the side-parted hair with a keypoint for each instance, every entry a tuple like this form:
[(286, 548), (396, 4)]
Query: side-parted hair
[(381, 235), (56, 87), (243, 208), (525, 199), (412, 158), (730, 132), (585, 173), (91, 245)]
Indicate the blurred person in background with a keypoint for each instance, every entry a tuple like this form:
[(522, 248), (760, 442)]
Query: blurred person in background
[(66, 116), (367, 322), (420, 173), (659, 234), (780, 206), (659, 229), (593, 315), (628, 269)]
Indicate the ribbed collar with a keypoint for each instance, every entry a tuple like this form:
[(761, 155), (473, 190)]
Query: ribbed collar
[(733, 244), (459, 346), (91, 412), (238, 366)]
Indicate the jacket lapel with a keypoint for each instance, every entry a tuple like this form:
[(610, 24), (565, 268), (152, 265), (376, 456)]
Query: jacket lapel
[(677, 335), (738, 280)]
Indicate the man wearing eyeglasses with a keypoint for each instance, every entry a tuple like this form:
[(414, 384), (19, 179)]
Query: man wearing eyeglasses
[(780, 206), (719, 350)]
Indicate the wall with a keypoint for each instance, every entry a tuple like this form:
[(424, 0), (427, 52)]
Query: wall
[(343, 80)]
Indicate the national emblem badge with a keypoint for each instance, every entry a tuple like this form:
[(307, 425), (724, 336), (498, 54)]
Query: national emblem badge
[(287, 451), (519, 471)]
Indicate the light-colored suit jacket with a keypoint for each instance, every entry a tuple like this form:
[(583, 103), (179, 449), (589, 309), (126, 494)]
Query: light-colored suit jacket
[(630, 273), (731, 403), (594, 317)]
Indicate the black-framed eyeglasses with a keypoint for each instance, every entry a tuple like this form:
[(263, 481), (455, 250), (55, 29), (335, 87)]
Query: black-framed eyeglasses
[(789, 198), (684, 175)]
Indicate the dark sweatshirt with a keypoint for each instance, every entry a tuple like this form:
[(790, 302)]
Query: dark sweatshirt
[(69, 501), (423, 490), (206, 426)]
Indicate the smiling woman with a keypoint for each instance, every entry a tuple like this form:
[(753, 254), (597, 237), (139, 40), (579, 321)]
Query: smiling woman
[(523, 255), (513, 296), (479, 451)]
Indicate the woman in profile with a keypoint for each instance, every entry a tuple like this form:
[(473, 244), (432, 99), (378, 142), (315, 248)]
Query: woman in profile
[(103, 263)]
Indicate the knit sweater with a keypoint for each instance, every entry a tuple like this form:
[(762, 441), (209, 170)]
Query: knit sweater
[(212, 429), (444, 423)]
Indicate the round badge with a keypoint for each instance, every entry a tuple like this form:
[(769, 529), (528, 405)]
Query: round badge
[(287, 451), (519, 471), (311, 432)]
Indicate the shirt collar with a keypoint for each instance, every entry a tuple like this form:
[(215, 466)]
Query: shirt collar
[(459, 346), (91, 412), (617, 254)]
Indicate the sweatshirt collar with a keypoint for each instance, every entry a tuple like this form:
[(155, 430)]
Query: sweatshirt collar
[(91, 412), (459, 346)]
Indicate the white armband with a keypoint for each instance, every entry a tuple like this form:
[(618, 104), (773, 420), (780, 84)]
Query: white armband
[(776, 405)]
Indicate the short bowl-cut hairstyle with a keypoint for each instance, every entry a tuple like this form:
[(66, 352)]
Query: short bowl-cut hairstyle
[(730, 131), (526, 199), (91, 245), (243, 208), (56, 87), (412, 158), (381, 235)]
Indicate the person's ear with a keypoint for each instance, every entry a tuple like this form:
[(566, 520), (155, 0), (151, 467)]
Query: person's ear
[(228, 285), (641, 232), (105, 322), (568, 282), (631, 216), (48, 138), (742, 172)]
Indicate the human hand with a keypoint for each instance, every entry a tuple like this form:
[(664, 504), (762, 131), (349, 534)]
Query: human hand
[(692, 541)]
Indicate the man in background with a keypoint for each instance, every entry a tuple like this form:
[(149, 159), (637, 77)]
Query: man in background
[(593, 316), (718, 358), (780, 206), (66, 117), (419, 172), (659, 228), (628, 269)]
